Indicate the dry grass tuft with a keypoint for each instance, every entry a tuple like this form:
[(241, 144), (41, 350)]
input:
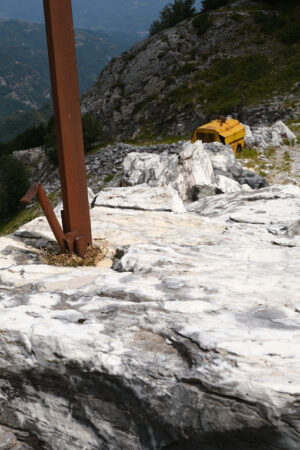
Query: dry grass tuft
[(92, 257)]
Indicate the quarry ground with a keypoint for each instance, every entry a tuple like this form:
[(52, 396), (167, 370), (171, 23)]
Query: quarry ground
[(279, 165), (186, 336)]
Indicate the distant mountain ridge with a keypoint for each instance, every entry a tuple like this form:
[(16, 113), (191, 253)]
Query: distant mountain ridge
[(24, 72), (131, 16)]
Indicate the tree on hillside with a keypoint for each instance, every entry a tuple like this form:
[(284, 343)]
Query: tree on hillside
[(280, 3), (13, 185), (209, 5), (172, 14)]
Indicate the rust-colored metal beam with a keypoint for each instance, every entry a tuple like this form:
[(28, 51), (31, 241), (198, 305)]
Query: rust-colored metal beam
[(67, 114), (37, 190)]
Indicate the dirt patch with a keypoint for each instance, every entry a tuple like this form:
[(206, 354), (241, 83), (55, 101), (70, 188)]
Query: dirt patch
[(92, 257)]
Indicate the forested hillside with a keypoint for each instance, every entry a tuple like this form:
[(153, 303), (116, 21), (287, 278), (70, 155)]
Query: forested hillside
[(24, 72)]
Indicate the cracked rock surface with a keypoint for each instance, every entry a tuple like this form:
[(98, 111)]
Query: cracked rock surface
[(186, 338)]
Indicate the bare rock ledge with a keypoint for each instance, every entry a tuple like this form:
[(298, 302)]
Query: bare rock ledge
[(188, 339)]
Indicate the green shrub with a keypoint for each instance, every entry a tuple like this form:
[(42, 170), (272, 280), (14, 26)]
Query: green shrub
[(291, 32), (109, 178), (203, 22), (285, 25), (52, 154), (186, 69), (172, 14), (228, 84), (13, 185), (209, 5), (281, 4), (33, 137), (140, 105), (237, 17), (50, 134), (92, 131), (269, 23)]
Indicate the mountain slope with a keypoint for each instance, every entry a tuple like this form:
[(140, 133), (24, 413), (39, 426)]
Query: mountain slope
[(243, 61), (24, 73)]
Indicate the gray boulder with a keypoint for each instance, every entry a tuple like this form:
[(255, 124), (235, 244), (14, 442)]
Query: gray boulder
[(225, 163)]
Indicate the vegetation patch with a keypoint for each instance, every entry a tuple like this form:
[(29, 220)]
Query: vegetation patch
[(270, 152), (249, 153), (283, 24), (92, 257), (186, 69), (172, 14), (14, 183), (209, 5), (140, 105), (269, 23), (294, 125), (286, 156), (26, 214), (109, 178), (237, 17), (251, 156), (203, 22), (21, 217)]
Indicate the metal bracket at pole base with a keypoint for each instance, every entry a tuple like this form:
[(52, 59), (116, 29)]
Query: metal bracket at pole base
[(71, 242)]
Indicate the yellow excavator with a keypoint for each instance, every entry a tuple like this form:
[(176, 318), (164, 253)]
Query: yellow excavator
[(224, 130)]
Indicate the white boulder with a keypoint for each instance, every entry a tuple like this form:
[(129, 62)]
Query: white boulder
[(272, 136), (189, 168), (142, 197), (280, 128), (249, 138), (196, 171)]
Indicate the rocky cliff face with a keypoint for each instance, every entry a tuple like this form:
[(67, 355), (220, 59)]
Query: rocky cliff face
[(177, 79)]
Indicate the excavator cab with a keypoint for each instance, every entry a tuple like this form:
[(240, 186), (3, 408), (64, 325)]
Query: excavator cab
[(224, 130)]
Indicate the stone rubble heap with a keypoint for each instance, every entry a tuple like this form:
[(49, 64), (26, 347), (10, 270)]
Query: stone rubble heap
[(105, 167), (196, 171), (264, 137), (186, 336)]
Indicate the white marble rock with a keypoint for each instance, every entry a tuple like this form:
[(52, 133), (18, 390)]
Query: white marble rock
[(190, 340), (141, 197)]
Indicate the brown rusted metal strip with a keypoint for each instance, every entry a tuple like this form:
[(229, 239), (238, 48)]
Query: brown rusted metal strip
[(37, 190), (66, 102), (30, 194), (51, 217)]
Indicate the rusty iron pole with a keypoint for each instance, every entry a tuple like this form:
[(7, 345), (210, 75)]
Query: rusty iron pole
[(68, 125)]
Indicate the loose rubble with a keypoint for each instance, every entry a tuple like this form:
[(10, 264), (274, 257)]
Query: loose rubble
[(264, 137), (198, 167), (105, 166)]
